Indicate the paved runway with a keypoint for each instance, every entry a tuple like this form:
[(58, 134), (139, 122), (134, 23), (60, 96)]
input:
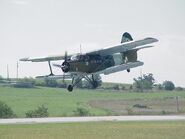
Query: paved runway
[(91, 119)]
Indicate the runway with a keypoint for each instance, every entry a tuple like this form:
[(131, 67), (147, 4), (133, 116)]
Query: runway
[(91, 119)]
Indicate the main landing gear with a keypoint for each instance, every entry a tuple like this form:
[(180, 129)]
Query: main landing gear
[(76, 80), (70, 88)]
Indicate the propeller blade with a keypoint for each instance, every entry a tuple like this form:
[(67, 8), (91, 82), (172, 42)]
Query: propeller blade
[(63, 76), (65, 56), (57, 65)]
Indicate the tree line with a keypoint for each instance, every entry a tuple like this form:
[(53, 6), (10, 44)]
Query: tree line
[(141, 83)]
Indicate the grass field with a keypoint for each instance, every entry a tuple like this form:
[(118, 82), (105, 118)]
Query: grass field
[(62, 103), (96, 130)]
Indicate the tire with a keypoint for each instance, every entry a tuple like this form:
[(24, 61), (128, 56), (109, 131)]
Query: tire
[(128, 70), (70, 88)]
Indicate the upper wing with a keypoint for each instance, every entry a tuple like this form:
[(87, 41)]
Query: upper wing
[(43, 59), (124, 47)]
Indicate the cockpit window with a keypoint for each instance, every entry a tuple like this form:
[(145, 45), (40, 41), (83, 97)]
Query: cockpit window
[(75, 58), (80, 58)]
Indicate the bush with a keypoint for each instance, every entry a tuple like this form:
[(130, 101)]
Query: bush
[(23, 85), (179, 89), (6, 111), (1, 77), (81, 112), (168, 85), (140, 106), (116, 87), (41, 111), (51, 83)]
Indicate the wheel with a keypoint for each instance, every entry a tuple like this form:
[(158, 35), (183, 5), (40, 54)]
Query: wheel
[(128, 70), (70, 88)]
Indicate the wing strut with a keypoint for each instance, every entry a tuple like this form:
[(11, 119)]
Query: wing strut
[(51, 72)]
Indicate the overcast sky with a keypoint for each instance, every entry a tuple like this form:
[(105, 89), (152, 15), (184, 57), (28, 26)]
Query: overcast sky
[(49, 27)]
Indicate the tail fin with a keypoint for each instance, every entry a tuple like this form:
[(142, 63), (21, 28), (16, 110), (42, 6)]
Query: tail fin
[(126, 37)]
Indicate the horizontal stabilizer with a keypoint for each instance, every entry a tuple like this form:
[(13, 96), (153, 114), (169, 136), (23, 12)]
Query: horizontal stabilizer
[(121, 68)]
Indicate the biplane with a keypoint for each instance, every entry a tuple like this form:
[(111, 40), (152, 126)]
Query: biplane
[(104, 61)]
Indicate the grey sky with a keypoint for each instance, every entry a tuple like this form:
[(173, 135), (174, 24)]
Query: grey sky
[(49, 27)]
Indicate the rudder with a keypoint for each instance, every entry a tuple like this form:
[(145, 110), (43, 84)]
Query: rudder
[(126, 37)]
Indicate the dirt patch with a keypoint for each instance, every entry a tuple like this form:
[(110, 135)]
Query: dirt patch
[(154, 106)]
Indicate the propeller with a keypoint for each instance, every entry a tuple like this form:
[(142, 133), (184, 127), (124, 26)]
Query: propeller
[(65, 65)]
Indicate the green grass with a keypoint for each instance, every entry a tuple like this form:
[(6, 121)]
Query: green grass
[(97, 130), (62, 103)]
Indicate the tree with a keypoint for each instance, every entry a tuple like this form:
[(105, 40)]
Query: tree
[(159, 87), (97, 79), (6, 111), (168, 85), (79, 84), (144, 82)]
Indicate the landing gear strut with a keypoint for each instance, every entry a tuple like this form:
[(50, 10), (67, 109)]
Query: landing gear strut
[(79, 78)]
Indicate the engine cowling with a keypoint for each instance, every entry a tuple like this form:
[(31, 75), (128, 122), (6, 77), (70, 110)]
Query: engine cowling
[(65, 66)]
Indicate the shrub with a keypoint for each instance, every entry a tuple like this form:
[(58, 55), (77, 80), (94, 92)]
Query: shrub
[(51, 83), (41, 111), (81, 112), (130, 111), (116, 87), (179, 89), (23, 85), (6, 111), (140, 106), (1, 77)]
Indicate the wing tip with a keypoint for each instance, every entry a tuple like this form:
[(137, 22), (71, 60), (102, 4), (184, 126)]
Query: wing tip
[(153, 39), (24, 59)]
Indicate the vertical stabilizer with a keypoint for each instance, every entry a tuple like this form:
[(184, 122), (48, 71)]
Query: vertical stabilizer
[(126, 37)]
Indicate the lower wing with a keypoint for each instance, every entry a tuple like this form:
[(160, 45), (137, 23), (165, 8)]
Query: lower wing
[(120, 68)]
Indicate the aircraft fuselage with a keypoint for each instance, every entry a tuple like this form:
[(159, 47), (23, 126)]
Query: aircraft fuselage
[(94, 63)]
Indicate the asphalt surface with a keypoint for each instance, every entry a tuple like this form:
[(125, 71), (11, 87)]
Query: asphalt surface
[(91, 119)]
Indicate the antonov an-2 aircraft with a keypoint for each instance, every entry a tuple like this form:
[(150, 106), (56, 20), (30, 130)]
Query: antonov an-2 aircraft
[(104, 61)]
